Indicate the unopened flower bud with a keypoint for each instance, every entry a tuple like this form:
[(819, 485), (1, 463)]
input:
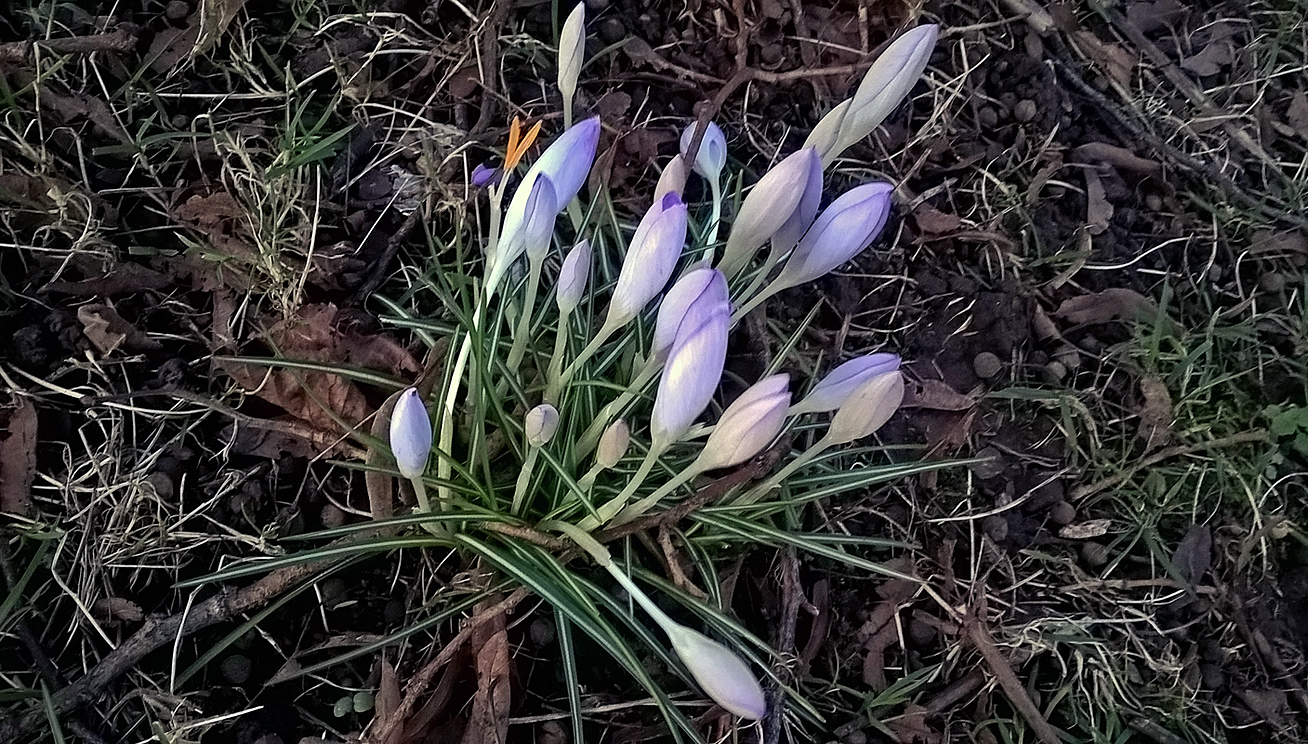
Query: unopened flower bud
[(711, 157), (748, 425), (693, 369), (650, 260), (692, 285), (722, 675), (410, 434), (540, 424), (572, 50), (572, 277), (673, 179), (868, 408), (841, 382), (484, 175), (766, 209), (613, 444), (843, 230)]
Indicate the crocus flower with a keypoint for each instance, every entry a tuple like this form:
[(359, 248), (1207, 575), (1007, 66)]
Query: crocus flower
[(748, 425), (711, 156), (788, 235), (767, 208), (843, 230), (867, 409), (651, 257), (673, 178), (484, 175), (527, 224), (836, 387), (540, 424), (572, 50), (410, 434), (572, 277), (723, 676), (692, 372), (566, 163), (613, 444), (884, 86), (692, 285)]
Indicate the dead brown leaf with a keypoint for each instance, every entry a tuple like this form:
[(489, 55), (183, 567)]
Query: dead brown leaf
[(1269, 244), (932, 221), (1210, 60), (1194, 554), (1086, 530), (936, 395), (1098, 211), (911, 727), (1155, 413), (388, 696), (1156, 15), (1297, 115), (489, 717), (1115, 60), (118, 609), (17, 456), (107, 330), (1112, 304), (1118, 157)]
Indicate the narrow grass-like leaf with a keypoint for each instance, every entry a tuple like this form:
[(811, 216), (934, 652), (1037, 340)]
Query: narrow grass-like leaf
[(329, 553)]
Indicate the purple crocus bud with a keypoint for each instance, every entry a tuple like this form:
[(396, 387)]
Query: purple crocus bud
[(788, 235), (572, 277), (484, 175), (693, 369), (527, 224), (723, 676), (566, 163), (766, 209), (692, 285), (843, 230), (867, 409), (884, 86), (748, 425), (651, 257), (712, 154), (540, 424), (673, 178), (834, 389), (410, 434)]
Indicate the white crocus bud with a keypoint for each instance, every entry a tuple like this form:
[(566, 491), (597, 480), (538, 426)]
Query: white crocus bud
[(834, 389), (711, 157), (766, 209), (540, 424), (867, 409), (613, 444), (651, 257), (673, 179), (826, 135), (748, 425), (410, 434), (572, 277), (722, 675), (572, 51)]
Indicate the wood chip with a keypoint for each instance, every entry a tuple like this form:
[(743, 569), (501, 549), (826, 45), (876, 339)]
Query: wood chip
[(18, 457)]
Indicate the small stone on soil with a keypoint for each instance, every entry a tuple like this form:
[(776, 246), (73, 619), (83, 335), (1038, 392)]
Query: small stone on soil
[(987, 117), (1025, 110), (332, 516), (1213, 676), (393, 613), (992, 464), (921, 633), (986, 365), (1055, 371), (611, 31), (1094, 554), (1272, 281), (1062, 513), (1069, 356), (854, 737), (542, 632), (996, 527), (236, 669), (176, 10)]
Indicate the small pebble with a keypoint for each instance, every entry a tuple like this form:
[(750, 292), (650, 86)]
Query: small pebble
[(991, 465), (1213, 676), (393, 612), (986, 365), (162, 485), (1154, 202), (987, 117), (332, 516), (1055, 371), (1210, 649), (176, 10), (1069, 356), (854, 737), (995, 526), (542, 632), (236, 669), (333, 592), (921, 633), (771, 54), (611, 31), (1025, 110), (1272, 281), (1094, 554), (1062, 513)]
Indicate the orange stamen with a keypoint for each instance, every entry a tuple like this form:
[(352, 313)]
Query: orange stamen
[(516, 149)]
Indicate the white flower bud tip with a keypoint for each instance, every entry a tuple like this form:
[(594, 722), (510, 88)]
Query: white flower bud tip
[(868, 408), (410, 434), (613, 444), (722, 675), (540, 424), (748, 425)]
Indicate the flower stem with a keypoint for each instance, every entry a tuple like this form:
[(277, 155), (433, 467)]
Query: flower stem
[(804, 458), (523, 331), (553, 388), (605, 559), (524, 480), (590, 438), (614, 505), (647, 503)]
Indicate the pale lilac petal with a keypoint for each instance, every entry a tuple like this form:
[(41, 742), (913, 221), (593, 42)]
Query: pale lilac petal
[(805, 212), (711, 157), (653, 254), (572, 277), (540, 424), (722, 675), (767, 207), (678, 300), (836, 387), (868, 408), (410, 434), (748, 425), (692, 372), (841, 232)]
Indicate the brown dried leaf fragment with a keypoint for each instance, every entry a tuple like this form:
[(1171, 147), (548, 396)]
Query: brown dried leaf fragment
[(1112, 304), (107, 330), (1155, 413), (17, 457), (488, 721)]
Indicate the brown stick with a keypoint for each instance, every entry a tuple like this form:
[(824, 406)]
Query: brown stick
[(979, 636), (115, 41)]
